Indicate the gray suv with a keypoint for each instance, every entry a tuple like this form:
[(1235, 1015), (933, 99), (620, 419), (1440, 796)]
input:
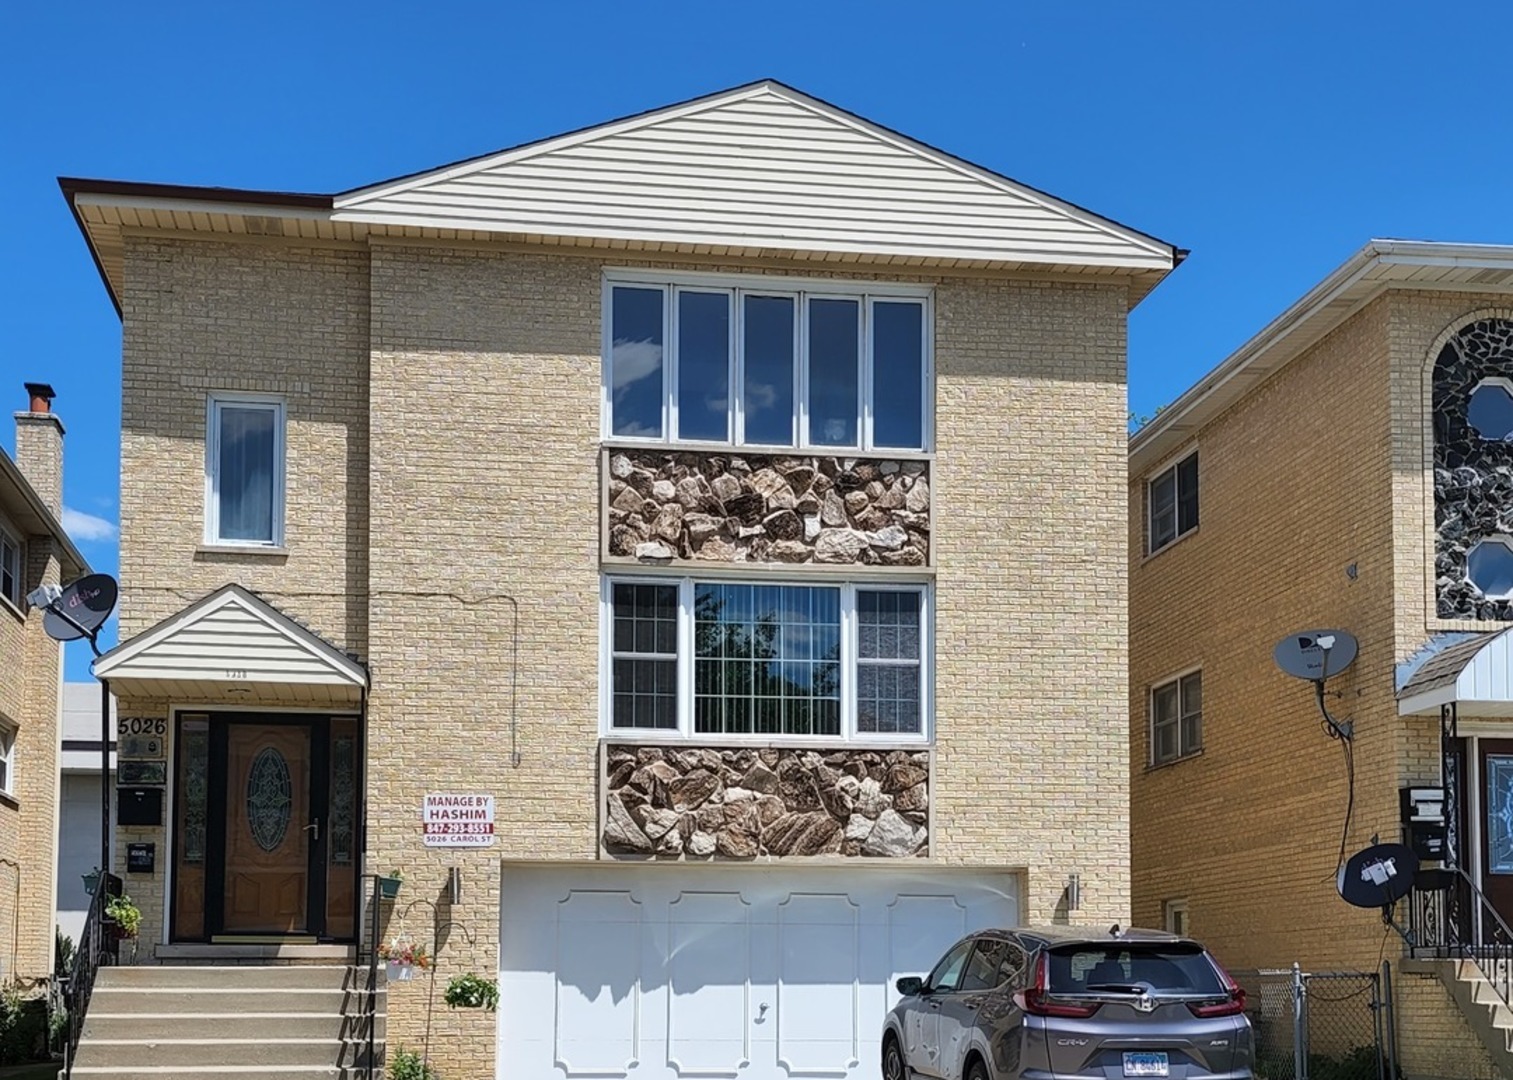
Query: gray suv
[(1069, 1004)]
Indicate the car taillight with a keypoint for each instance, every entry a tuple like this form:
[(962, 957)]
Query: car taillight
[(1232, 1005), (1033, 999)]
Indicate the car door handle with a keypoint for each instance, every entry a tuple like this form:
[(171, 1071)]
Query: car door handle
[(935, 1005)]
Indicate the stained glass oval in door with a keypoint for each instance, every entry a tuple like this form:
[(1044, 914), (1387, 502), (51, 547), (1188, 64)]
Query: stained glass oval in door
[(270, 798)]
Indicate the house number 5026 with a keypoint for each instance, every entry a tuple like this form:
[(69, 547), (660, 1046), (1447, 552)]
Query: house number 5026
[(235, 673)]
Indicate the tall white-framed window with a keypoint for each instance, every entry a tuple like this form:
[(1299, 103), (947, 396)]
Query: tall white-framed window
[(723, 659), (244, 470), (767, 362), (7, 757), (1177, 718), (1171, 500), (10, 567)]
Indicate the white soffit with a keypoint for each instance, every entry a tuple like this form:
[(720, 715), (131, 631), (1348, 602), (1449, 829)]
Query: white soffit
[(1380, 265), (230, 638), (761, 167)]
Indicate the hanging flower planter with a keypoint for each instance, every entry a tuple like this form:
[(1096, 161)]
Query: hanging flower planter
[(91, 880), (388, 884), (402, 958)]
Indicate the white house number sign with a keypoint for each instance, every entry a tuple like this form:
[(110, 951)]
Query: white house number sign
[(458, 820)]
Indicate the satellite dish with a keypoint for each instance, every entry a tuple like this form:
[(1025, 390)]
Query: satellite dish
[(1379, 876), (1305, 654), (87, 602)]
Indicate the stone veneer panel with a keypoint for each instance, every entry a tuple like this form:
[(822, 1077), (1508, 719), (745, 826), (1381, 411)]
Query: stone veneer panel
[(721, 507), (1473, 476), (709, 802)]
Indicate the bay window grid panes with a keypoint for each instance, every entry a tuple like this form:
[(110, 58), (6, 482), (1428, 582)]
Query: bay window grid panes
[(644, 656), (821, 371), (246, 471), (887, 662)]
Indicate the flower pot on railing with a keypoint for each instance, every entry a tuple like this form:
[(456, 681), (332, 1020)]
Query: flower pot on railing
[(91, 881)]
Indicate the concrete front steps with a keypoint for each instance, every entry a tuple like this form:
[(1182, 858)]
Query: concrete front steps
[(1486, 1013), (303, 1021)]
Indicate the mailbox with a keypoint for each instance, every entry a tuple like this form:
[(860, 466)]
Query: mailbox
[(141, 858), (1423, 817), (139, 806)]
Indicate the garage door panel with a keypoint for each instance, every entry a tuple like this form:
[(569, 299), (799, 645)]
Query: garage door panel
[(708, 984), (598, 983), (738, 972)]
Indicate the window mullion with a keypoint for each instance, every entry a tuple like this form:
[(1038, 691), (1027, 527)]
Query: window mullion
[(670, 363), (848, 662), (738, 367), (864, 382), (801, 370)]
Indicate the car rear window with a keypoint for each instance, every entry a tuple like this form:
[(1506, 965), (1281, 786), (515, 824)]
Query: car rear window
[(1165, 968)]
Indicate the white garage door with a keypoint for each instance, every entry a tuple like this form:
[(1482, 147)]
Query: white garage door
[(664, 972)]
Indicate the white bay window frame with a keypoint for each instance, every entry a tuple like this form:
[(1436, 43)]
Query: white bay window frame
[(686, 732), (801, 290)]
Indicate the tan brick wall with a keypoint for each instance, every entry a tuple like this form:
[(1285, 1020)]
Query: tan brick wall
[(30, 686), (482, 578), (1295, 487), (200, 317), (1434, 1040)]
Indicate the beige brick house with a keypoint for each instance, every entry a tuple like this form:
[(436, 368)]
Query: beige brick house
[(673, 497), (34, 550), (1347, 469)]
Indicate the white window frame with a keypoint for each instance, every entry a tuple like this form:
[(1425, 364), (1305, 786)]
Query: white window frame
[(1169, 468), (1506, 542), (1174, 912), (801, 290), (685, 732), (1157, 687), (214, 403), (11, 540), (8, 733), (1504, 384)]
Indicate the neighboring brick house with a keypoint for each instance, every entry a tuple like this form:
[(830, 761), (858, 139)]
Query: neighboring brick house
[(34, 550), (1342, 481), (732, 494)]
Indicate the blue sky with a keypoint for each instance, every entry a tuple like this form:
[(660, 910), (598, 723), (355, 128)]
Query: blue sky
[(1271, 139)]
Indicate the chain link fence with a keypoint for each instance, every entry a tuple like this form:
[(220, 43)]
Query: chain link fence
[(1325, 1025)]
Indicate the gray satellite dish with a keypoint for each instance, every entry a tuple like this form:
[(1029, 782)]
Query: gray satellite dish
[(1379, 876), (1305, 654), (83, 606)]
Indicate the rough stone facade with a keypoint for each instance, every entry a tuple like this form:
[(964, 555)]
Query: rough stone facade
[(745, 508), (1473, 475), (717, 802)]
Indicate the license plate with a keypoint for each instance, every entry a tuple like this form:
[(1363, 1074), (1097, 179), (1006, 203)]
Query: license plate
[(1145, 1064)]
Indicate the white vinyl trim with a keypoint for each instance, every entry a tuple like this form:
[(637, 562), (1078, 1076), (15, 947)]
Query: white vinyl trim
[(7, 757), (215, 402)]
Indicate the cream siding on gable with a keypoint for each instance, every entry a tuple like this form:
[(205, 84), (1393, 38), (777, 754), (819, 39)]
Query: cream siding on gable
[(763, 170)]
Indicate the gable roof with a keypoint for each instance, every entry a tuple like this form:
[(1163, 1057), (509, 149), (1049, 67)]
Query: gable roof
[(1377, 267), (274, 656), (760, 170)]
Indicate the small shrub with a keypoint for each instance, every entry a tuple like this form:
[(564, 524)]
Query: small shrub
[(408, 1065), (23, 1027)]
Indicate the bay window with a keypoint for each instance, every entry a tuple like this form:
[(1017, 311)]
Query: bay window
[(718, 658), (750, 362)]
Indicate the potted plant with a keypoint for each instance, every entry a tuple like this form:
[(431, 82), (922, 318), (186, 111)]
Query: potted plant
[(408, 1065), (388, 884), (91, 880), (472, 992), (402, 957), (124, 916)]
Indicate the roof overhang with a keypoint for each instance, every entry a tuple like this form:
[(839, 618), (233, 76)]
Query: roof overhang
[(1475, 675), (26, 510), (233, 647), (1377, 267)]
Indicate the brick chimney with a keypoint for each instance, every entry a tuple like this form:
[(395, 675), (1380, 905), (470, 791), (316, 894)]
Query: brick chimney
[(39, 446)]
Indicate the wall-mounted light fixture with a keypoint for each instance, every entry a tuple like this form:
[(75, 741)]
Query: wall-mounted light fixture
[(1073, 892), (454, 884)]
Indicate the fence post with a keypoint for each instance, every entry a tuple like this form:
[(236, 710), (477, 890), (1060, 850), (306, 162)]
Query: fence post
[(1299, 1026), (1391, 1006)]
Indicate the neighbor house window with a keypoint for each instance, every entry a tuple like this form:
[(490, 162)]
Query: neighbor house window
[(725, 658), (10, 568), (1174, 915), (1172, 499), (245, 471), (748, 362), (7, 758), (1177, 718)]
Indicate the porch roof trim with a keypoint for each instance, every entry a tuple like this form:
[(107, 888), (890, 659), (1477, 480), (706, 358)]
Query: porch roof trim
[(1476, 674), (233, 637)]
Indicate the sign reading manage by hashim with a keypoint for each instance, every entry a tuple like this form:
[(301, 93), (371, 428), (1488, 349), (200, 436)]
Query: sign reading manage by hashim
[(458, 820)]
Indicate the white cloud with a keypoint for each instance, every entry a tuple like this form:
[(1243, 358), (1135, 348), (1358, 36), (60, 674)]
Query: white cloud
[(86, 528), (632, 361)]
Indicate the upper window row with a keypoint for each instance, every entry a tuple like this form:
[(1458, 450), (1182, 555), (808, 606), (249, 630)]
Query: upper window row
[(1172, 503), (767, 367)]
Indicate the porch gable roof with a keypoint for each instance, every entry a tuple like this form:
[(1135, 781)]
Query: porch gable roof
[(233, 642), (1476, 674)]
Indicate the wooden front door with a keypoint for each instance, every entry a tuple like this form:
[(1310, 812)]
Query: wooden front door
[(269, 829), (1495, 758)]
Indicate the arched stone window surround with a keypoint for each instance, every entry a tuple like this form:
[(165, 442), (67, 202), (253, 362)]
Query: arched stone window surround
[(1464, 473)]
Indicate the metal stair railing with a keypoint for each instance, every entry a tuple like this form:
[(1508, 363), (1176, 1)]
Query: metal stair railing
[(98, 947), (1449, 918)]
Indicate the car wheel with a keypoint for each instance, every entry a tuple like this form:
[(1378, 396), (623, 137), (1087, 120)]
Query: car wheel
[(978, 1071), (893, 1061)]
